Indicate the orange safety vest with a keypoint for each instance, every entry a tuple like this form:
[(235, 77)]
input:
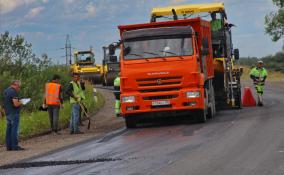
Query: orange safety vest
[(52, 93)]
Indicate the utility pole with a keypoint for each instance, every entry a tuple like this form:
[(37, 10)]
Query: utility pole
[(68, 54)]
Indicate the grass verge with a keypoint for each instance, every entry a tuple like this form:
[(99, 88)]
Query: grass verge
[(37, 123)]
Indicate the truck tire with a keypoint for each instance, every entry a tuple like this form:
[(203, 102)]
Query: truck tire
[(200, 116), (130, 122), (238, 97), (212, 108), (104, 80)]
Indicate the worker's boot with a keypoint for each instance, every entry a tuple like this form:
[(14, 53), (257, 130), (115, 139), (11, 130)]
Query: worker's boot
[(260, 103)]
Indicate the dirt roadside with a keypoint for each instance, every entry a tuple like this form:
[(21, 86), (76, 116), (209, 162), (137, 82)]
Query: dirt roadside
[(102, 123)]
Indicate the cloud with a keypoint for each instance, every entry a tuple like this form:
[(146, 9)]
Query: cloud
[(45, 1), (7, 6), (34, 12), (91, 9)]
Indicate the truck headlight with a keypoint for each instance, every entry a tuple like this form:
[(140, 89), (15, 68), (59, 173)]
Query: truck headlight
[(192, 94), (128, 99)]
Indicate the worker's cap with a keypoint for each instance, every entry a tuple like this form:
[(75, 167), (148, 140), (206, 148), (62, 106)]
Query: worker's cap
[(259, 62)]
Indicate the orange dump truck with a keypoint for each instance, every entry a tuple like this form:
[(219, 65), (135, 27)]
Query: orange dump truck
[(167, 69)]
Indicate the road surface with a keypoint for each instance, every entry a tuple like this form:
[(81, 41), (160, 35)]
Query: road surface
[(236, 142)]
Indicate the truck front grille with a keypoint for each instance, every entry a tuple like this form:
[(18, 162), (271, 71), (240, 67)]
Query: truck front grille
[(159, 81)]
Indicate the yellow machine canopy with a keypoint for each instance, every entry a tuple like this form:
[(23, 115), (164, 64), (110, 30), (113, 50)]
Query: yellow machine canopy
[(188, 9)]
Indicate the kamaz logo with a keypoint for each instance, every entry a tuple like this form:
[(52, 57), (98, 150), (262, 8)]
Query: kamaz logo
[(159, 81), (157, 73)]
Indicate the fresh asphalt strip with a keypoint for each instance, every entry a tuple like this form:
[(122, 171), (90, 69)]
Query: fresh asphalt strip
[(55, 163)]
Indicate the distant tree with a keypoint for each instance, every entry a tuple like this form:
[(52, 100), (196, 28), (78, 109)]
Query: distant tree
[(14, 52), (274, 21)]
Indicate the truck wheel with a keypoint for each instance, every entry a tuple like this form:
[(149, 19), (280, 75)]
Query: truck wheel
[(212, 108), (130, 122), (238, 100), (238, 96), (201, 116), (104, 81)]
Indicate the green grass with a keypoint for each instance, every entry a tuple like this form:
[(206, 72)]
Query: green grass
[(36, 123)]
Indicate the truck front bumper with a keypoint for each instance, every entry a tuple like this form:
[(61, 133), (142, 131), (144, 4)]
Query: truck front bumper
[(162, 101)]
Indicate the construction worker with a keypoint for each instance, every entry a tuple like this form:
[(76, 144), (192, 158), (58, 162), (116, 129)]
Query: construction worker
[(116, 84), (76, 94), (12, 106), (259, 74), (216, 24), (54, 101)]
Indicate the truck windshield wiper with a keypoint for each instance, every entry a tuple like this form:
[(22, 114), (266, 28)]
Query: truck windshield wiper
[(155, 54), (138, 55), (172, 54)]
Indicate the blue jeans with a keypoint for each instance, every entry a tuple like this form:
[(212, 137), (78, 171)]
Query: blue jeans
[(12, 131), (74, 118)]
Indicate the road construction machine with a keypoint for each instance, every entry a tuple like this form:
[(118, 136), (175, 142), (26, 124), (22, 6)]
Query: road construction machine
[(84, 64), (227, 84), (178, 66), (110, 64)]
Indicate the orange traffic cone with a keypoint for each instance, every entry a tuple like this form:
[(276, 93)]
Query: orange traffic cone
[(248, 99)]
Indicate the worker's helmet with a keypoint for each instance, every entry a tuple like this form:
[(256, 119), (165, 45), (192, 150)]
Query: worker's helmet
[(259, 62)]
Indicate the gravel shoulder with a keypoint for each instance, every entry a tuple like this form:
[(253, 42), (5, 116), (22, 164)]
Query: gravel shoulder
[(102, 123)]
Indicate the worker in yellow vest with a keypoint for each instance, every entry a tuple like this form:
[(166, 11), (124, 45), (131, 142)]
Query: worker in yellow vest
[(53, 100), (259, 74), (116, 84), (76, 94)]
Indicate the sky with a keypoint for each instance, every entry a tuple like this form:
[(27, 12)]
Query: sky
[(93, 23)]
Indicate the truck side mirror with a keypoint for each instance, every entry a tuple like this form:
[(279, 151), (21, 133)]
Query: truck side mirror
[(111, 49), (126, 50), (113, 58), (236, 54)]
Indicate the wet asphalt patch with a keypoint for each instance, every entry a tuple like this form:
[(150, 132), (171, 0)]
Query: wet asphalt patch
[(56, 163)]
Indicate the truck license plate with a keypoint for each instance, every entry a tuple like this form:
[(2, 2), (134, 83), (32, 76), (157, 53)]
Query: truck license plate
[(160, 103)]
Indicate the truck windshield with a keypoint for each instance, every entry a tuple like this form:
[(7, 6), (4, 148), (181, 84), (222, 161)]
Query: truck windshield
[(85, 57), (157, 48)]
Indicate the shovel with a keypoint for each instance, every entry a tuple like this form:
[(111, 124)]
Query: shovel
[(83, 107)]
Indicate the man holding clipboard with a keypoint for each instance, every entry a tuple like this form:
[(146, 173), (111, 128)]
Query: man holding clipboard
[(12, 106)]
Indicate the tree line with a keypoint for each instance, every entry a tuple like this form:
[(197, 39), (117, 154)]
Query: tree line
[(272, 62)]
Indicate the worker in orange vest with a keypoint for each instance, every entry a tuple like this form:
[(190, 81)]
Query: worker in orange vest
[(54, 101)]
